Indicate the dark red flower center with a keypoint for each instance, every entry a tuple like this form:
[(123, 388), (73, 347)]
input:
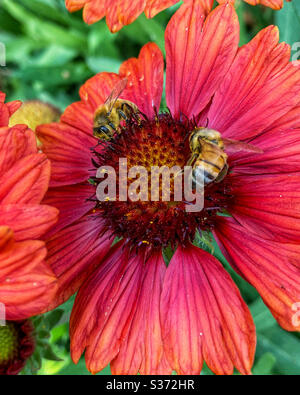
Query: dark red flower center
[(152, 144)]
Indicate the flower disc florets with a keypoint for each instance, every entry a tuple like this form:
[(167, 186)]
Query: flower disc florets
[(162, 219)]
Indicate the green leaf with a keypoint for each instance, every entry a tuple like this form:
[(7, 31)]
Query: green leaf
[(262, 316), (284, 346), (54, 317), (288, 21), (265, 364)]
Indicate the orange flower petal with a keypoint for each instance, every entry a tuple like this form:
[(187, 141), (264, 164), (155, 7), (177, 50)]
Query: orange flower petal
[(93, 11), (27, 284), (280, 150), (69, 152), (72, 201), (268, 205), (118, 12), (28, 221), (104, 308), (142, 351), (73, 252), (275, 4), (272, 268), (7, 109), (15, 143), (122, 12), (27, 181), (145, 76), (199, 54), (261, 87), (204, 316), (153, 7), (75, 5)]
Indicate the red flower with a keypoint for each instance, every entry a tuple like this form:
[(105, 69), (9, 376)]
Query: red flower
[(275, 4), (27, 284), (118, 12), (16, 346), (131, 310)]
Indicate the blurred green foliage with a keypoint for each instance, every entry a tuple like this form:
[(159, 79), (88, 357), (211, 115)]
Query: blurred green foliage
[(50, 53)]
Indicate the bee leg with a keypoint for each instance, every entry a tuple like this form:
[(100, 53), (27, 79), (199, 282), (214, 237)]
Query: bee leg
[(103, 130), (191, 159), (112, 126), (222, 174), (122, 114)]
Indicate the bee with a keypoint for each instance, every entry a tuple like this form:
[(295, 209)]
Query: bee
[(110, 114), (208, 158)]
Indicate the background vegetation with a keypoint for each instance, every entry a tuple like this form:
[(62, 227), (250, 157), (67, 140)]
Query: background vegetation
[(50, 53)]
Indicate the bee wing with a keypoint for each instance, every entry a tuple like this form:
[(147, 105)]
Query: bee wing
[(115, 94), (236, 146)]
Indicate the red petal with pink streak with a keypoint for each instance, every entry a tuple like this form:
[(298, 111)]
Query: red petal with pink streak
[(27, 285), (74, 252), (27, 181), (272, 268), (122, 12), (94, 11), (15, 143), (268, 205), (93, 94), (104, 308), (261, 87), (145, 78), (72, 201), (153, 7), (28, 221), (142, 351), (69, 151), (199, 54), (204, 317)]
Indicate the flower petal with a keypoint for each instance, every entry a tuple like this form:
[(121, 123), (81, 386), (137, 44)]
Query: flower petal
[(204, 317), (268, 205), (15, 143), (272, 268), (75, 5), (7, 109), (27, 284), (74, 252), (142, 351), (145, 78), (199, 54), (153, 7), (27, 181), (28, 221), (122, 12), (262, 86), (93, 11), (69, 152), (104, 308), (72, 201), (280, 154)]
